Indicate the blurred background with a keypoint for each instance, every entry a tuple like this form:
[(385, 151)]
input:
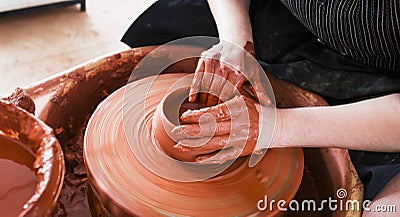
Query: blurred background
[(38, 43)]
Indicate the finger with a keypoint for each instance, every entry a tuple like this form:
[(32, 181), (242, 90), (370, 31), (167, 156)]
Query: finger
[(212, 100), (227, 92), (206, 81), (237, 80), (259, 93), (190, 131), (219, 157), (203, 144), (236, 76), (219, 113), (220, 77), (233, 84), (195, 87)]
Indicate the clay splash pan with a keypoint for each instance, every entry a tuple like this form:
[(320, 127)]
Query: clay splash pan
[(67, 100), (31, 162)]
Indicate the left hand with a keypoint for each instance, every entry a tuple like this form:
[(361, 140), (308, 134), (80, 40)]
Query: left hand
[(223, 70), (235, 132)]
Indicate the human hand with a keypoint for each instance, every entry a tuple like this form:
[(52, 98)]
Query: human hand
[(234, 132), (223, 63)]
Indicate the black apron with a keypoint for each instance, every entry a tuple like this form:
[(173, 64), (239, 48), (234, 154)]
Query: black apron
[(293, 54)]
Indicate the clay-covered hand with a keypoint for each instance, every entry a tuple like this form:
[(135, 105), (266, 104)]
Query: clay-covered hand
[(221, 72), (231, 127)]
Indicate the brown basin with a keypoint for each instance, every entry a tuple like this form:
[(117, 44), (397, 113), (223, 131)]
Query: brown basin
[(30, 144), (66, 101)]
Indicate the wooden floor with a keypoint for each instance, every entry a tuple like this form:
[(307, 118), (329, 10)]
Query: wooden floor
[(37, 44)]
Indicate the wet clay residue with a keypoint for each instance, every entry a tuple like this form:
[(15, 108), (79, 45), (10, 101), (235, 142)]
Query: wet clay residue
[(249, 47), (73, 199), (21, 99), (18, 182)]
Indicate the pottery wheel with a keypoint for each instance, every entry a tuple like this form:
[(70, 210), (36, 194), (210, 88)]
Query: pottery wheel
[(126, 186)]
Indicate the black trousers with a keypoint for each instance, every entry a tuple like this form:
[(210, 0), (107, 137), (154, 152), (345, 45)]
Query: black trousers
[(286, 49)]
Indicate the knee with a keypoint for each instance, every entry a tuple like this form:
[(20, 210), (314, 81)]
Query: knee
[(387, 202)]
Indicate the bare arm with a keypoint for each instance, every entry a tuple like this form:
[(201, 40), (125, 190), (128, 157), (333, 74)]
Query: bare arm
[(232, 19), (371, 125)]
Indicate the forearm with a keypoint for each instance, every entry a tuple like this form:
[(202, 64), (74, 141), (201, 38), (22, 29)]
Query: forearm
[(232, 19), (371, 125)]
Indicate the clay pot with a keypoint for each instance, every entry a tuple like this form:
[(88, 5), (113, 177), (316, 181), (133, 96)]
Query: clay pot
[(23, 129), (165, 118)]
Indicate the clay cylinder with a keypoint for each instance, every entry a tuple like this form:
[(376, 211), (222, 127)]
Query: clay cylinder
[(166, 117)]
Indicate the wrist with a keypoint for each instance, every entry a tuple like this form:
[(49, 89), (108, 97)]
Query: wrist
[(267, 133), (239, 40), (276, 141), (298, 127)]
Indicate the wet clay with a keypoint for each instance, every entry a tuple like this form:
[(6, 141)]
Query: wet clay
[(44, 170), (20, 98), (73, 199), (18, 182), (125, 185)]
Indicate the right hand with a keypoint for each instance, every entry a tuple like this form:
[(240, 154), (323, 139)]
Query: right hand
[(223, 63), (235, 130)]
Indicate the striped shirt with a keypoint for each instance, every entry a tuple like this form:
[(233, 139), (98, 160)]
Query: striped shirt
[(367, 31)]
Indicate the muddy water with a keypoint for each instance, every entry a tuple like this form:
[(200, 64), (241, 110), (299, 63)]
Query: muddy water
[(18, 180)]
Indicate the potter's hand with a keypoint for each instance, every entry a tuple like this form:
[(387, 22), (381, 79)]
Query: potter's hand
[(234, 131), (223, 63)]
